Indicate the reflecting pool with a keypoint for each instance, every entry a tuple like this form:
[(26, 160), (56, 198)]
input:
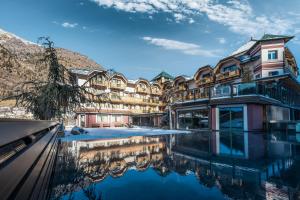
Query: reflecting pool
[(206, 165)]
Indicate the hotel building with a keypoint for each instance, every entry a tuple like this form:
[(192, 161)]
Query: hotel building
[(117, 100), (245, 91)]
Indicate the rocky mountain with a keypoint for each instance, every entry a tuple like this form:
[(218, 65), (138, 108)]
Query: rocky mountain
[(22, 56)]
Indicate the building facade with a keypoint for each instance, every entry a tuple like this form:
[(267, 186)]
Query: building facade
[(117, 101), (245, 91)]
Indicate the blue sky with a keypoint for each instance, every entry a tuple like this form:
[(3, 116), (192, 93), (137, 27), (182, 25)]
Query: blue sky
[(140, 38)]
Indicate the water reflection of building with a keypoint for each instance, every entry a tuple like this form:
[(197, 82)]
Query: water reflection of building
[(103, 157), (235, 176), (259, 176)]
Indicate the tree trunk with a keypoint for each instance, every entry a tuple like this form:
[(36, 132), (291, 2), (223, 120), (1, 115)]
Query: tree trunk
[(170, 118)]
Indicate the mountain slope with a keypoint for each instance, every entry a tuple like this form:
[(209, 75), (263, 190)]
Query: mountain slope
[(22, 55)]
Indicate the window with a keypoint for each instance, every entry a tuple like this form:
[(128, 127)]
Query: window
[(273, 73), (230, 68), (272, 55), (102, 118), (196, 119), (207, 75), (116, 118), (257, 76)]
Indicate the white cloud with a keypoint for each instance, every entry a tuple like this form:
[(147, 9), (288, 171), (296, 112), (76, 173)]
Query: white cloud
[(186, 48), (191, 21), (221, 40), (237, 15), (179, 17), (69, 25)]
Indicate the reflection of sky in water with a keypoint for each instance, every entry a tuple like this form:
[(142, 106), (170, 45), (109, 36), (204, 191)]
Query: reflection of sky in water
[(148, 185)]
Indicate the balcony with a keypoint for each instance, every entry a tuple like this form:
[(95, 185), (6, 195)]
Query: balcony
[(142, 90), (206, 80), (156, 92), (134, 101), (119, 86), (181, 88), (227, 75), (99, 84)]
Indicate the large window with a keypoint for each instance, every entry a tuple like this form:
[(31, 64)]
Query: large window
[(231, 131), (194, 119), (231, 118), (272, 55)]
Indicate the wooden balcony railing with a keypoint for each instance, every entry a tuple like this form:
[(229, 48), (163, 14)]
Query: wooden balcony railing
[(205, 81), (99, 83), (181, 88), (117, 86), (142, 90), (229, 74), (156, 92), (133, 101)]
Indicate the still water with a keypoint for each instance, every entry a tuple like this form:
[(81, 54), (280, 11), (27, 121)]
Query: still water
[(179, 166)]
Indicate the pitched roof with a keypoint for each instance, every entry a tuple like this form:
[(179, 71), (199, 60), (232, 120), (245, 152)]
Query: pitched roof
[(274, 37), (244, 48), (163, 74)]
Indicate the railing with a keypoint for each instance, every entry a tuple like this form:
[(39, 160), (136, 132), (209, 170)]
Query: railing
[(142, 90), (205, 81), (272, 90), (132, 100), (117, 86), (228, 74), (27, 157), (99, 83), (156, 92)]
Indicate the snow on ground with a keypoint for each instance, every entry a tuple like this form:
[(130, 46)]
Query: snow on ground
[(98, 133)]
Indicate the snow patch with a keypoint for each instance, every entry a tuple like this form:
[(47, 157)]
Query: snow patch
[(243, 48), (11, 35)]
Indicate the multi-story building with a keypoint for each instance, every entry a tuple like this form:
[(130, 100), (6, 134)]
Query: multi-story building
[(255, 85), (245, 91), (116, 100)]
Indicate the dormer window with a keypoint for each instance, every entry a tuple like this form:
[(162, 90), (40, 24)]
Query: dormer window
[(206, 75), (230, 68), (273, 55)]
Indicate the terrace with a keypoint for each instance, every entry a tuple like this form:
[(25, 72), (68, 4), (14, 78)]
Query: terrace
[(228, 74), (205, 80), (120, 86), (268, 90)]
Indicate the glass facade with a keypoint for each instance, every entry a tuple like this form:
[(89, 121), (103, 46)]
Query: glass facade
[(231, 131), (231, 118), (193, 119)]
